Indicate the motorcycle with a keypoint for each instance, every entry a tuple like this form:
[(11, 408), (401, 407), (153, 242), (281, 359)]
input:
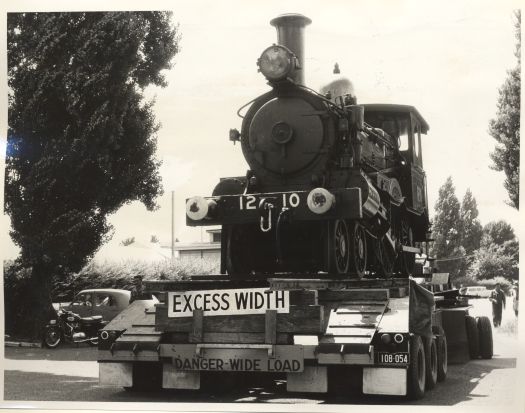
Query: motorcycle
[(72, 328)]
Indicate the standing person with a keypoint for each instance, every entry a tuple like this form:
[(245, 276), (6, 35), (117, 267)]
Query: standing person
[(497, 298), (138, 290)]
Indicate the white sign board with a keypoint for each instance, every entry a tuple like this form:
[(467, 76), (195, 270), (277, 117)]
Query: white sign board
[(227, 302)]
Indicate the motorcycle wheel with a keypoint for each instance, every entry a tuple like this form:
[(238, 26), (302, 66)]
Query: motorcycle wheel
[(52, 337)]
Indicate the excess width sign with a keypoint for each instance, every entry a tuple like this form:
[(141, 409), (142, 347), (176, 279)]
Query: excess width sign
[(227, 302)]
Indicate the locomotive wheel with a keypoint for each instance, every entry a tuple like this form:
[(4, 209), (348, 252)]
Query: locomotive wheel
[(384, 261), (339, 247), (358, 250)]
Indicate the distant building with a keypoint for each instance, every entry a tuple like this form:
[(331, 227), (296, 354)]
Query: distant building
[(210, 250)]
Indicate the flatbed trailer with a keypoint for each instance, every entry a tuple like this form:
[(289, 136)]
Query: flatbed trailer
[(392, 336)]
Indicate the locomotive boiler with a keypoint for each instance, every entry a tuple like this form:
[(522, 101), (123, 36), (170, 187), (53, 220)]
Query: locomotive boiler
[(333, 186)]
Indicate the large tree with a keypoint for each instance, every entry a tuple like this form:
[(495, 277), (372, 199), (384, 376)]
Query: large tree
[(505, 128), (81, 138), (471, 227), (447, 231)]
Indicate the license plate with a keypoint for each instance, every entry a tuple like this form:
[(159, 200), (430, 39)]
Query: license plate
[(287, 359), (393, 358)]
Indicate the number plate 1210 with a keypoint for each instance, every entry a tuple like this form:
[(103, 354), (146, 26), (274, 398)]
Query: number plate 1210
[(392, 358)]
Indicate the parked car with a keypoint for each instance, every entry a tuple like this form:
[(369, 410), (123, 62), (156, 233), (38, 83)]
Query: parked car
[(475, 291), (106, 302)]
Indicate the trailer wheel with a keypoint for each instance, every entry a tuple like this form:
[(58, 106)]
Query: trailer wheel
[(431, 363), (416, 374), (486, 350), (473, 336), (442, 353)]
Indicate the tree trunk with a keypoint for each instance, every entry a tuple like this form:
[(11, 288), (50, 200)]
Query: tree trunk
[(37, 308)]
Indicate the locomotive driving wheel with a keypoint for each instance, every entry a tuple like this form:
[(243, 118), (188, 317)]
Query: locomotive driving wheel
[(347, 248), (340, 247), (384, 257), (358, 250)]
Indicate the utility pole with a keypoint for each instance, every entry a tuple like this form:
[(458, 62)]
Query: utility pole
[(172, 225)]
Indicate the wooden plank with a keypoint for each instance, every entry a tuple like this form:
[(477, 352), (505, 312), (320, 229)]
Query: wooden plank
[(350, 331), (303, 297), (197, 326), (398, 292), (354, 294), (344, 340), (365, 308), (141, 330), (300, 319), (133, 314), (270, 327), (242, 338), (131, 338), (356, 317), (204, 284), (328, 283)]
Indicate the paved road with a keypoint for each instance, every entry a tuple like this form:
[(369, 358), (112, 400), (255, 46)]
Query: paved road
[(71, 374)]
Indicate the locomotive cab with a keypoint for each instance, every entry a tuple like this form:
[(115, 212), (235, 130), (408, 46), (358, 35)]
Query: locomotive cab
[(405, 125)]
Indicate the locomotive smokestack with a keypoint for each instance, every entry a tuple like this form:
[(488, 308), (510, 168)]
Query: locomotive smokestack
[(290, 33)]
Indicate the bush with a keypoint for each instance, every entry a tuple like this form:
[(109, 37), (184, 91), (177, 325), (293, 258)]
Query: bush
[(93, 275), (490, 283)]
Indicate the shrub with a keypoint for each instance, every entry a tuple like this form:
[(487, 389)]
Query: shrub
[(490, 283), (93, 275)]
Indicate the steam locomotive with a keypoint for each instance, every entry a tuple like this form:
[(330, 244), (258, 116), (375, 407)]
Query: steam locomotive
[(333, 186)]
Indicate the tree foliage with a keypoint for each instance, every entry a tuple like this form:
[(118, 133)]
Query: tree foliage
[(465, 249), (447, 230), (81, 138), (471, 227), (505, 128)]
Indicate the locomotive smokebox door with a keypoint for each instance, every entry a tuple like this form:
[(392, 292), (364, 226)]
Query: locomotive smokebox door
[(285, 136)]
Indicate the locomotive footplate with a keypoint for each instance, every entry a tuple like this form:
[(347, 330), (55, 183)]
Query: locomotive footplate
[(249, 208)]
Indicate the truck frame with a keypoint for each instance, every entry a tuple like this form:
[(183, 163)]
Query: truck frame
[(392, 336)]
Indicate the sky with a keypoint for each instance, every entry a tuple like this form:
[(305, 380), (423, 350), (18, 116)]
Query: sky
[(446, 58)]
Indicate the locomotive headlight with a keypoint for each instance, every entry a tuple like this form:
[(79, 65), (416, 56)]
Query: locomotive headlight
[(320, 200), (276, 62), (198, 208)]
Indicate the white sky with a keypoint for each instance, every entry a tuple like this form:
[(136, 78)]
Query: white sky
[(446, 58)]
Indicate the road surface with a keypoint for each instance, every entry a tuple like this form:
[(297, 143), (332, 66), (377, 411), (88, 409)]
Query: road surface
[(70, 373)]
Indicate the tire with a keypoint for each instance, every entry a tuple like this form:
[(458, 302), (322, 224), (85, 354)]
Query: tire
[(416, 373), (472, 336), (486, 349), (431, 363), (442, 353), (52, 336)]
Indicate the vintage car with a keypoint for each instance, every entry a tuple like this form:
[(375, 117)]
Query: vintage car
[(106, 302), (475, 291)]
